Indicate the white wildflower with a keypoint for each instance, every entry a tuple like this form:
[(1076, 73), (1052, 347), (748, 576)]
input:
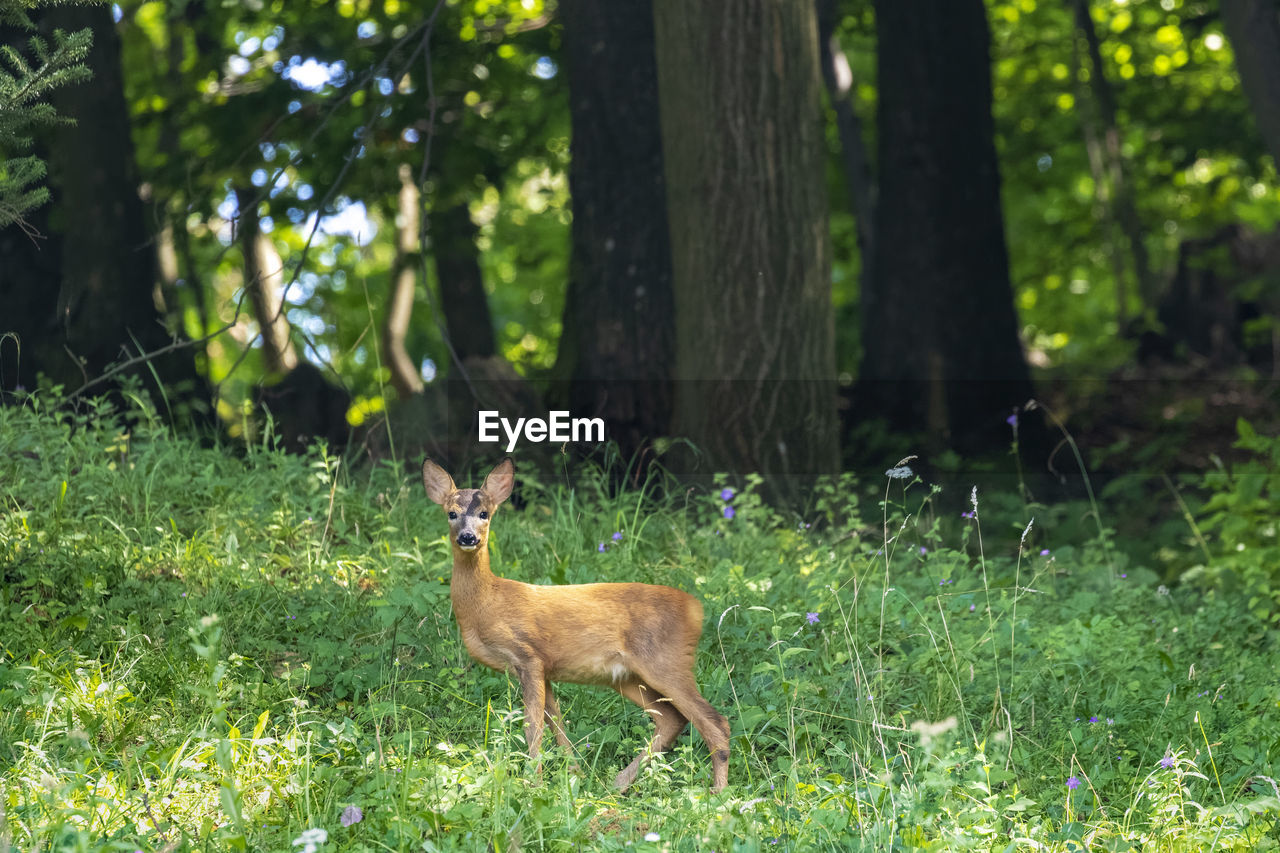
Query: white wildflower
[(311, 839)]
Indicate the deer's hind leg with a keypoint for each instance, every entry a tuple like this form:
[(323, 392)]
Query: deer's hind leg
[(710, 723), (556, 718), (668, 723)]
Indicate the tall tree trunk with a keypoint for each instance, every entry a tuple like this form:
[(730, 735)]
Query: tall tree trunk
[(82, 299), (191, 274), (1118, 194), (742, 131), (264, 279), (480, 378), (404, 375), (1103, 211), (179, 16), (1254, 29), (858, 179), (462, 296), (940, 331), (617, 348)]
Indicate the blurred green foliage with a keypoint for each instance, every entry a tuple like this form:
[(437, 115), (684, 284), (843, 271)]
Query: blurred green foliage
[(1192, 155), (318, 104), (1240, 519)]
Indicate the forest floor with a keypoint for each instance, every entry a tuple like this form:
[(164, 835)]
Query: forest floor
[(232, 648), (1180, 416)]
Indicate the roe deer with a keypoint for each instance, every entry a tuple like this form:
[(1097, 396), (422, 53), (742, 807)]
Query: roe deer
[(635, 638)]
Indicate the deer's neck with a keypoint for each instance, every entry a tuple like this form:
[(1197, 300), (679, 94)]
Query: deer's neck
[(471, 579)]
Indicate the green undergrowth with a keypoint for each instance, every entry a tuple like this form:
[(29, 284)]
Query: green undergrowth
[(221, 648)]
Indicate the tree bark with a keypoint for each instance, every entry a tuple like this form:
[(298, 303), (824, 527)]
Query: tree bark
[(617, 347), (264, 279), (742, 133), (1254, 29), (404, 375), (940, 332), (462, 297), (858, 178)]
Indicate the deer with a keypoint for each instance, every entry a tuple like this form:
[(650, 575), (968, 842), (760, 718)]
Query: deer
[(638, 639)]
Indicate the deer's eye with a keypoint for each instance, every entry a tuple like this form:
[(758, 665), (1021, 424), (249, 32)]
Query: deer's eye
[(484, 514), (452, 515)]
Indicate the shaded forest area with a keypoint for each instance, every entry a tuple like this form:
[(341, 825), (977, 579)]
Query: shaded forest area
[(804, 236)]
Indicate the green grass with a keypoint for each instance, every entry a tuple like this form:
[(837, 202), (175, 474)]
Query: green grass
[(222, 648)]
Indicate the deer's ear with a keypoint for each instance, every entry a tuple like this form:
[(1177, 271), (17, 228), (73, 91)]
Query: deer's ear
[(437, 482), (501, 481)]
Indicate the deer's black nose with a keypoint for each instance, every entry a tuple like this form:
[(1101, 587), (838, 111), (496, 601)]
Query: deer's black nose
[(467, 539)]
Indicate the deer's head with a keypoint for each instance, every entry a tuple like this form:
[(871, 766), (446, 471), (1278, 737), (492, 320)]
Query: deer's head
[(469, 510)]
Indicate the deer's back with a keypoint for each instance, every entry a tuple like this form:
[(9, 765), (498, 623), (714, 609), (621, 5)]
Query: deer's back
[(588, 633)]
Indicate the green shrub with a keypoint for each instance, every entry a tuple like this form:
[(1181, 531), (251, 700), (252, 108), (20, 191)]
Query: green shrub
[(1240, 521)]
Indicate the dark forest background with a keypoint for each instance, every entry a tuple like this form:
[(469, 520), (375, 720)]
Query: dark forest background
[(805, 236)]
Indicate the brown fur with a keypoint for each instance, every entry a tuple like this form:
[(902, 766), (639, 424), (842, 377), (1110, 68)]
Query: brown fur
[(638, 639)]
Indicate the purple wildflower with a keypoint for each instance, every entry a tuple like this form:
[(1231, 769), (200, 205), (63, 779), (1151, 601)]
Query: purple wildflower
[(1044, 552), (1073, 782), (729, 512), (1093, 719), (1166, 762), (617, 537), (970, 514), (352, 814), (600, 547), (1012, 420), (812, 617), (726, 494)]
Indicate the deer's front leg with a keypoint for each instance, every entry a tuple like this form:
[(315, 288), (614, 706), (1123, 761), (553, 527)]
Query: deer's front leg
[(534, 686)]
